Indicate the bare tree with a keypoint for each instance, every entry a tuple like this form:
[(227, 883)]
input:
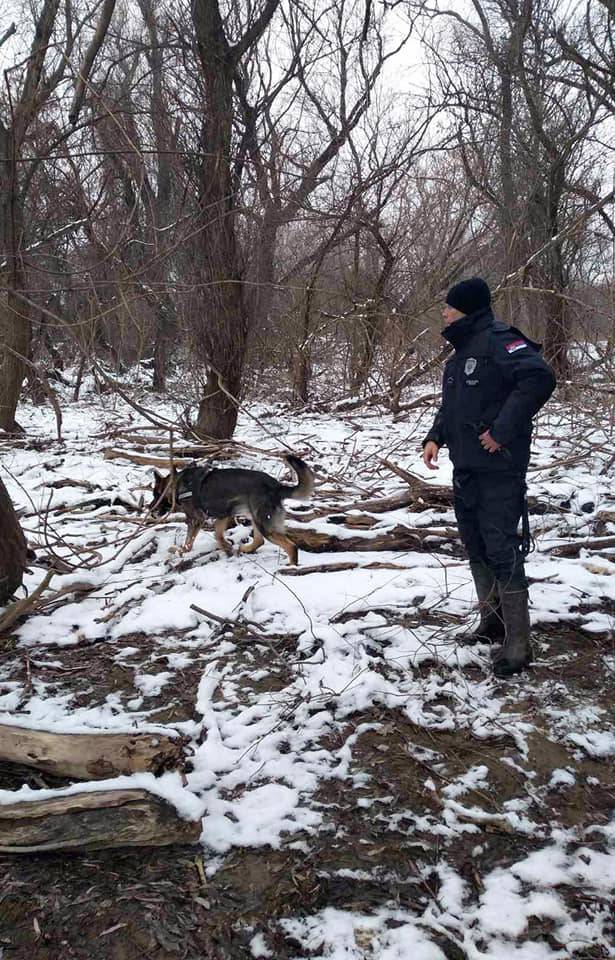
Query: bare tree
[(295, 122), (588, 41), (30, 86), (222, 322), (15, 328), (523, 137)]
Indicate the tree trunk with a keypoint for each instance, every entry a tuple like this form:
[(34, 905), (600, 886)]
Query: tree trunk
[(557, 336), (15, 328), (13, 547), (552, 277), (302, 372), (262, 276), (161, 350), (222, 328), (369, 332), (365, 342), (217, 416)]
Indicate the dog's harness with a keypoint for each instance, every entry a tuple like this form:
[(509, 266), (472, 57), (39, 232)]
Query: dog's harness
[(201, 474)]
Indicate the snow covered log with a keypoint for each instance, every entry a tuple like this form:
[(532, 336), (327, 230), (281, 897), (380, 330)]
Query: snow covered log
[(399, 538), (574, 548), (438, 495), (93, 820), (90, 756)]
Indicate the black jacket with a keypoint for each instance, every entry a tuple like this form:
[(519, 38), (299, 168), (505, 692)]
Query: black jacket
[(495, 380)]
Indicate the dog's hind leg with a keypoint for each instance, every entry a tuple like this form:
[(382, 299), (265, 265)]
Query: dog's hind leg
[(290, 548), (220, 526), (268, 519), (257, 541)]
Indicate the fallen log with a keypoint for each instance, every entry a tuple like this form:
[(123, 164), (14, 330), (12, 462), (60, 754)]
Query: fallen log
[(434, 494), (159, 445), (574, 548), (319, 568), (68, 482), (337, 567), (93, 821), (145, 459), (426, 399), (381, 505), (202, 451), (355, 521), (398, 538), (407, 498), (90, 756), (95, 503)]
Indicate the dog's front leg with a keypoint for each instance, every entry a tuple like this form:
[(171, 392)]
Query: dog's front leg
[(191, 536)]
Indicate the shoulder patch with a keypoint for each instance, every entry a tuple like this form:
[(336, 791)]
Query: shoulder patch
[(515, 345)]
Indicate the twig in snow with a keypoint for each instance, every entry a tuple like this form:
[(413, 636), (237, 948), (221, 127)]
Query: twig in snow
[(21, 607)]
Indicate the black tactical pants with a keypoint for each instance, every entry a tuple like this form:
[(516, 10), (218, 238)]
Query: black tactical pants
[(488, 507)]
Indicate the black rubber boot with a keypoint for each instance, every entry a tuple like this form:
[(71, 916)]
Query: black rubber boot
[(491, 625), (516, 651)]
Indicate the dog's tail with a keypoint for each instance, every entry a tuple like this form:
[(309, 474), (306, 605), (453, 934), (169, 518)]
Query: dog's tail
[(305, 477)]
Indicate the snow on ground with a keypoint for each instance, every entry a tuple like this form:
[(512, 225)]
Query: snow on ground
[(285, 683)]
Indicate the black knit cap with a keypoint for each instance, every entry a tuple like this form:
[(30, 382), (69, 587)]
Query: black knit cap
[(469, 295)]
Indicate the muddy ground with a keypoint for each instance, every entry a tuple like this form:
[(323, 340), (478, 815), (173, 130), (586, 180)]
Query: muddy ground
[(158, 904)]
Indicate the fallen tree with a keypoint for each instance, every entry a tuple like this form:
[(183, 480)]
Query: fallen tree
[(398, 538), (574, 548), (93, 820), (146, 459), (90, 756)]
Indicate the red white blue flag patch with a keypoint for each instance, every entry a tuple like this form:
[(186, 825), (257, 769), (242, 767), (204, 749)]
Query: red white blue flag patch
[(516, 345)]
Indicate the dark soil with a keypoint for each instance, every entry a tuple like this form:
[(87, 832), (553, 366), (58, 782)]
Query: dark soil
[(379, 845)]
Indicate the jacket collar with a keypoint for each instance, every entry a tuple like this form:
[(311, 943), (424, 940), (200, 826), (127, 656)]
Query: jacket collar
[(461, 331)]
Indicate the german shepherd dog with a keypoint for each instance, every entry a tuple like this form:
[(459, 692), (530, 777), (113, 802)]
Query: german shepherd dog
[(206, 493)]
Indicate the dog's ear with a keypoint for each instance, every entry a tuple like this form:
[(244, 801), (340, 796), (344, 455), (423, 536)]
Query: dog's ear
[(157, 476)]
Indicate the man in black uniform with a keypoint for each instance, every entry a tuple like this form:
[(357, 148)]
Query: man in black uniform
[(494, 383)]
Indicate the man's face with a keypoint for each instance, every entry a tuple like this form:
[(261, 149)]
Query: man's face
[(450, 314)]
